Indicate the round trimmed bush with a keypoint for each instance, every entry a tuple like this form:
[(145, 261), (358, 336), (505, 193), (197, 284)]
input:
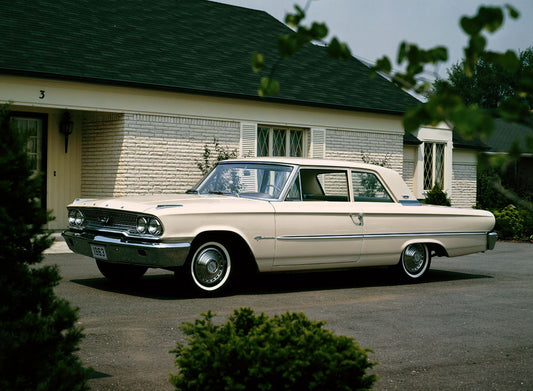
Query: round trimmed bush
[(257, 352)]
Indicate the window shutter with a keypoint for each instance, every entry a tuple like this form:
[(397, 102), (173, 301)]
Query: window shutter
[(248, 139), (318, 143)]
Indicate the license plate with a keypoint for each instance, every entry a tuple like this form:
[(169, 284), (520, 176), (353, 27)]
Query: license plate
[(99, 252)]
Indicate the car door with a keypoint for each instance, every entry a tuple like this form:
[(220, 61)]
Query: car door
[(317, 225)]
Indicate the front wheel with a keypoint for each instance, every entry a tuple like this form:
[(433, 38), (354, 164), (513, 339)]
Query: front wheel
[(211, 267), (120, 272), (415, 261)]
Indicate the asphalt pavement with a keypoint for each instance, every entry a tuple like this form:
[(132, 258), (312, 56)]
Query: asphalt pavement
[(469, 326)]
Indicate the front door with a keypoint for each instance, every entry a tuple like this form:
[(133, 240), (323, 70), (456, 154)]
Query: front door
[(33, 127)]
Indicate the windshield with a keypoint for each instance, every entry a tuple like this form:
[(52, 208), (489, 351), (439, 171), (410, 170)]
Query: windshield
[(256, 180)]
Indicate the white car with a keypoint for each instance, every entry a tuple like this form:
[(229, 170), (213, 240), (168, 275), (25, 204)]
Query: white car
[(271, 215)]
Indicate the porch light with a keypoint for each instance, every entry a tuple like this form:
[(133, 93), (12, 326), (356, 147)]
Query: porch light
[(66, 126)]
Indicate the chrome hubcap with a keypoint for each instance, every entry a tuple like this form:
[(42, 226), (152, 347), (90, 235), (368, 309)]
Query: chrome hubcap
[(414, 258), (210, 266)]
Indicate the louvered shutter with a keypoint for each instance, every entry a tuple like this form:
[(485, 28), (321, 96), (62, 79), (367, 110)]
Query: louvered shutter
[(248, 139), (318, 143)]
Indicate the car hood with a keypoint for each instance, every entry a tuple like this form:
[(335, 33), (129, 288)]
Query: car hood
[(166, 203)]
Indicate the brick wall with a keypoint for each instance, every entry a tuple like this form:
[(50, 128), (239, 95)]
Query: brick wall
[(147, 154), (350, 145), (464, 185), (130, 154), (102, 139)]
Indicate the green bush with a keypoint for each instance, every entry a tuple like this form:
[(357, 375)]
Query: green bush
[(437, 196), (257, 352), (513, 223), (38, 336), (211, 157)]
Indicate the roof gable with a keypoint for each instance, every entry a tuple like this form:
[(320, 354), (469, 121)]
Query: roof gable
[(194, 46)]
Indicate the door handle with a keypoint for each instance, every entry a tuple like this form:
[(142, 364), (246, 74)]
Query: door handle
[(357, 219)]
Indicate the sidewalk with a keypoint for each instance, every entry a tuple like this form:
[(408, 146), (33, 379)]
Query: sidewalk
[(59, 246)]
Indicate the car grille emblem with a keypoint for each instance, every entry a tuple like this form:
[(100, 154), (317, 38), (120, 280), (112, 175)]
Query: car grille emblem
[(103, 219)]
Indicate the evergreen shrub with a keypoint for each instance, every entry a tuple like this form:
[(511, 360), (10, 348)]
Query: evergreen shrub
[(38, 336), (257, 352), (511, 223), (437, 196)]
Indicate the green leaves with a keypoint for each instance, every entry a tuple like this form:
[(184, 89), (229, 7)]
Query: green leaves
[(268, 87), (258, 61), (257, 352), (338, 50), (488, 19), (415, 59), (38, 332), (289, 44)]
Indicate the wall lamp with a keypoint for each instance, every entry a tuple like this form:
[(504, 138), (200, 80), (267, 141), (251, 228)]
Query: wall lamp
[(66, 126)]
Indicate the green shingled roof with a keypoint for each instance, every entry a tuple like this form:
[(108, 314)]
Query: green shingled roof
[(193, 46), (505, 133)]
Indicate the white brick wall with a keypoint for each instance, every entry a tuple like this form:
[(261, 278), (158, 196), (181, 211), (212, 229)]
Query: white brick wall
[(130, 154), (350, 145), (464, 185), (102, 139), (147, 154)]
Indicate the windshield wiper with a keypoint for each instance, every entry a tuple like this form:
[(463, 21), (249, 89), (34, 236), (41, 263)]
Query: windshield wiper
[(222, 193)]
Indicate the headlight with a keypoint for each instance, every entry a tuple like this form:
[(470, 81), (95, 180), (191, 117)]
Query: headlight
[(154, 227), (75, 218), (147, 225), (142, 225)]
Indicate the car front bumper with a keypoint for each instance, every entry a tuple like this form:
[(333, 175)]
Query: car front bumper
[(492, 238), (122, 250)]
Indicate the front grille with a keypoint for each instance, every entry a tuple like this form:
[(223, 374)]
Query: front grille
[(108, 218)]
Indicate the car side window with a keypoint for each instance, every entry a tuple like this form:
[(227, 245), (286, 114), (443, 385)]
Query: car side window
[(368, 188), (324, 185), (294, 192)]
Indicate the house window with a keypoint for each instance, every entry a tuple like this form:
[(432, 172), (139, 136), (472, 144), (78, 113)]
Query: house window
[(273, 141), (32, 130), (433, 164)]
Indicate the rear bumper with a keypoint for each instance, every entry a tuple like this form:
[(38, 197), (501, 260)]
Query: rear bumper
[(492, 238), (121, 250)]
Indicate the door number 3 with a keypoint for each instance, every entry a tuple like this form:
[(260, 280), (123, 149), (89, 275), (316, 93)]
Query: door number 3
[(42, 93)]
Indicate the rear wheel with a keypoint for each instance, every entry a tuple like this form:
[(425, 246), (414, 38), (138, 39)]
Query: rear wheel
[(211, 267), (120, 272), (415, 261)]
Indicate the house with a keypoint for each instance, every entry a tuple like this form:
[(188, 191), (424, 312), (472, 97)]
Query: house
[(504, 137), (120, 97)]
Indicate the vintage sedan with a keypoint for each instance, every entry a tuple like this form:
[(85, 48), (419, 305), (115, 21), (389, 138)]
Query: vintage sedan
[(274, 215)]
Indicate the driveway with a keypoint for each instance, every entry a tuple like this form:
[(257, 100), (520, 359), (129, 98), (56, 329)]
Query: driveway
[(468, 327)]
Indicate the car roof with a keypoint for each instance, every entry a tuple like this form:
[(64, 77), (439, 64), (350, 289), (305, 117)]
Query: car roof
[(392, 179), (310, 162)]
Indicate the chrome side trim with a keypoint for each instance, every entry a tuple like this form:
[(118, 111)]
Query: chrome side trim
[(369, 236), (320, 237), (402, 235)]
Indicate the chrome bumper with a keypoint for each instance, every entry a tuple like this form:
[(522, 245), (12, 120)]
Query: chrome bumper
[(120, 250), (492, 238)]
